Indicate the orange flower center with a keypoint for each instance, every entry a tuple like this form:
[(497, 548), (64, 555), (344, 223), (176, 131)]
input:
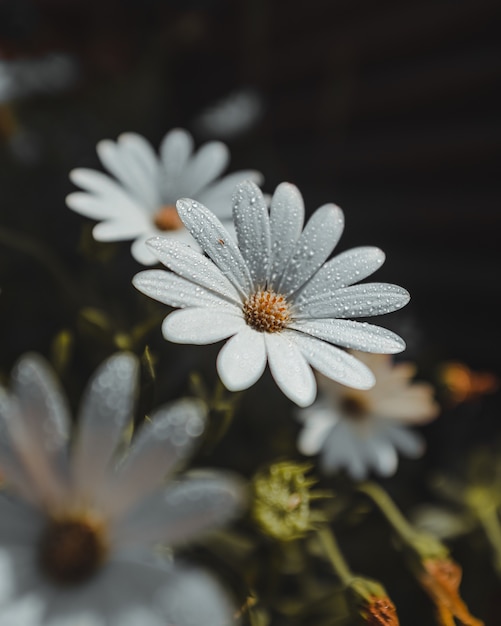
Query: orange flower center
[(354, 406), (266, 311), (167, 218), (71, 549)]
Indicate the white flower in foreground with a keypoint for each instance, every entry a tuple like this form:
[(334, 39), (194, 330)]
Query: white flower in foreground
[(76, 530), (273, 294), (363, 430), (141, 202)]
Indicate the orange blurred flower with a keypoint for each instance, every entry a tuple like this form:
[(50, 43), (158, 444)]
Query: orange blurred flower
[(380, 611), (464, 384), (441, 578)]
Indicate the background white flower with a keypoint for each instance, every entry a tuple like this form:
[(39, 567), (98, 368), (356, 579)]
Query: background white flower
[(363, 430), (273, 293), (76, 545), (141, 202)]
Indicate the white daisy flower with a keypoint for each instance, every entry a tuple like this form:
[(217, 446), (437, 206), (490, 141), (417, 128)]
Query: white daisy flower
[(77, 530), (141, 203), (272, 293), (363, 430)]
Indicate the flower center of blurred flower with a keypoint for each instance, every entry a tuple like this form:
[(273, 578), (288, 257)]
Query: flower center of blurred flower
[(71, 550), (354, 407), (266, 311), (167, 218)]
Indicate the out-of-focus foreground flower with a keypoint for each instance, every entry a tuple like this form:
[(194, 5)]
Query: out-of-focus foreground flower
[(141, 202), (362, 430), (273, 293), (77, 530)]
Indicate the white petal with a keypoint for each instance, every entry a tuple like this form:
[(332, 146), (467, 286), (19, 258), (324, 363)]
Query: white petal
[(343, 450), (193, 598), (203, 167), (318, 239), (40, 425), (351, 334), (20, 523), (215, 241), (406, 441), (107, 407), (175, 291), (286, 224), (335, 363), (117, 160), (160, 445), (143, 168), (201, 325), (181, 512), (382, 455), (343, 270), (194, 266), (242, 360), (364, 300), (141, 252), (289, 368), (217, 196), (316, 428), (175, 150), (122, 228), (252, 225)]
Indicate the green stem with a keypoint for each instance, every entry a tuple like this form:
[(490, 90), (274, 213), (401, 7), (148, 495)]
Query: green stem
[(332, 551), (389, 509), (488, 519)]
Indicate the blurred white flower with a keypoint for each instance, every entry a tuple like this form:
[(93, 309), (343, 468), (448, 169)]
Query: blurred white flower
[(21, 78), (77, 529), (231, 116), (272, 293), (363, 430), (141, 203)]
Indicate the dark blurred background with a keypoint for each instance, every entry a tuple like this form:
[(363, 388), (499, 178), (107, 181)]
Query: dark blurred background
[(391, 109)]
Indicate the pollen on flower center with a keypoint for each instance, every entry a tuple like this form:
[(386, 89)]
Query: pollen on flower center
[(71, 549), (267, 311), (167, 218)]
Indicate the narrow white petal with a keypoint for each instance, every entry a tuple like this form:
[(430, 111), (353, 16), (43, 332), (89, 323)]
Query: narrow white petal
[(407, 442), (351, 334), (342, 450), (160, 445), (107, 407), (335, 363), (343, 270), (143, 168), (364, 300), (175, 150), (216, 242), (193, 598), (39, 425), (201, 325), (289, 368), (191, 264), (94, 207), (175, 291), (141, 252), (217, 196), (123, 227), (382, 455), (204, 166), (318, 239), (117, 161), (252, 225), (316, 428), (242, 360), (181, 512), (286, 224)]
